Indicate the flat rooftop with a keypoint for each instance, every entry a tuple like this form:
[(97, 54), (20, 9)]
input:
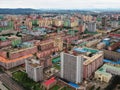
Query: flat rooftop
[(11, 49), (34, 62), (85, 49), (84, 52), (4, 60), (102, 70)]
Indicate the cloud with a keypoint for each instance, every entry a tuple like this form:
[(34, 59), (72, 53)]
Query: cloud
[(62, 4)]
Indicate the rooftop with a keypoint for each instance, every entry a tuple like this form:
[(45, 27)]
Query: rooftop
[(110, 61), (12, 50), (50, 81), (89, 60), (111, 67), (73, 85), (14, 60), (102, 70), (34, 62), (83, 50)]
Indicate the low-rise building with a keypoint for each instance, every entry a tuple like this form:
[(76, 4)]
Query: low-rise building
[(102, 75), (34, 70), (49, 83), (106, 71)]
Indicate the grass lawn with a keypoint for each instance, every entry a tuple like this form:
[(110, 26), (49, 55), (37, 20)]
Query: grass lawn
[(27, 83), (57, 66), (56, 87), (66, 88)]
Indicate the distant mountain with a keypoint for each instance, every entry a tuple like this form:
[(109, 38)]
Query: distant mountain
[(30, 11), (17, 11)]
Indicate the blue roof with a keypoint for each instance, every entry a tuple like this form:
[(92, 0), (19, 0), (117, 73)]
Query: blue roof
[(118, 50), (109, 61), (79, 50), (73, 85)]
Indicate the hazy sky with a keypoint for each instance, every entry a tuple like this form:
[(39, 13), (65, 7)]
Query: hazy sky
[(60, 4)]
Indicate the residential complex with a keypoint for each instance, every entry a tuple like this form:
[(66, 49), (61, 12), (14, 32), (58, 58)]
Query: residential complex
[(59, 50)]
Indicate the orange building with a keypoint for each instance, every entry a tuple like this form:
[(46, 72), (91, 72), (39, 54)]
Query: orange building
[(8, 64)]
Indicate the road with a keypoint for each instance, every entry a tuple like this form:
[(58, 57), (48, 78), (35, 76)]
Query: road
[(11, 84)]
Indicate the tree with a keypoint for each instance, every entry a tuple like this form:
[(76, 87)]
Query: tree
[(16, 42), (92, 88)]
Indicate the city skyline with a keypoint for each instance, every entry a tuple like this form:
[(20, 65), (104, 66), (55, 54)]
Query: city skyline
[(60, 4)]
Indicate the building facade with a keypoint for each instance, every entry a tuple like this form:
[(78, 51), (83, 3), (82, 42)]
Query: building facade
[(34, 70), (92, 27), (71, 67)]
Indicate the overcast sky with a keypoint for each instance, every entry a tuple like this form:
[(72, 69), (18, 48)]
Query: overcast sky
[(60, 4)]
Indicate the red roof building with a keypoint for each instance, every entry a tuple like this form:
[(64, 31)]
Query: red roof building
[(50, 83)]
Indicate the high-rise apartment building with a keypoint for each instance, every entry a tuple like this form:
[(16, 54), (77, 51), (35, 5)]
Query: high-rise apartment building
[(104, 21), (71, 67), (92, 26)]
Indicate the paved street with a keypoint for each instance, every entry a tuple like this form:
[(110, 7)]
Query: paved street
[(11, 84)]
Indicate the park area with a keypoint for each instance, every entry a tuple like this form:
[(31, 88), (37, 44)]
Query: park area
[(22, 78), (57, 87)]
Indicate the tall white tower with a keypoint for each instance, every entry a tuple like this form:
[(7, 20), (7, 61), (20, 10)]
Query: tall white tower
[(72, 67)]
